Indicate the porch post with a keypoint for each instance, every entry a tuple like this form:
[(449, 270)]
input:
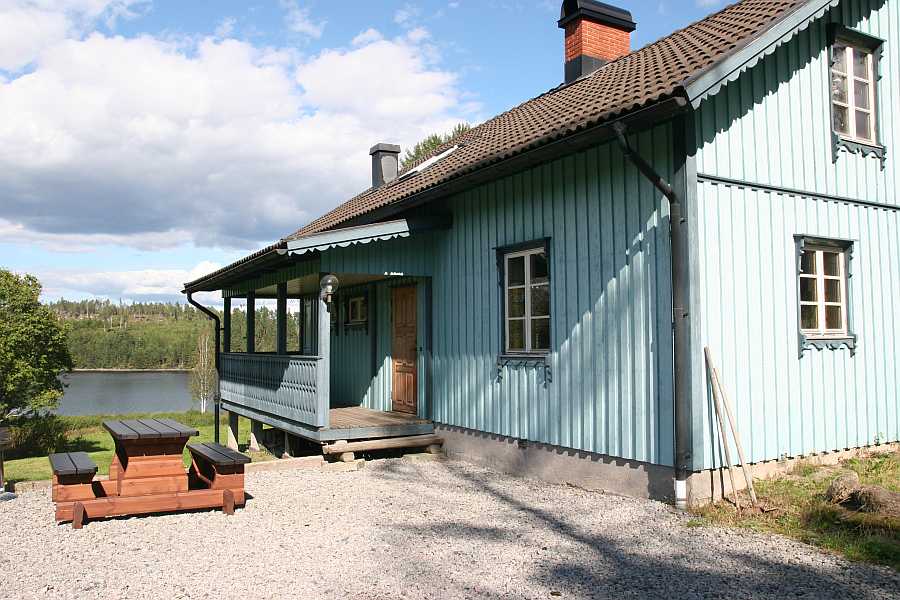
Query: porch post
[(281, 320), (323, 372), (226, 325), (232, 431), (251, 321)]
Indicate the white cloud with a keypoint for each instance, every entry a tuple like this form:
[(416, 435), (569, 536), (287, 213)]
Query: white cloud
[(418, 35), (298, 20), (407, 14), (30, 26), (225, 27), (217, 143), (708, 3), (143, 284), (16, 233), (367, 37)]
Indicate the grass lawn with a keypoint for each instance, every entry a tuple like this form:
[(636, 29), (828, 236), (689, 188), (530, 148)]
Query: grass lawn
[(87, 435), (795, 506)]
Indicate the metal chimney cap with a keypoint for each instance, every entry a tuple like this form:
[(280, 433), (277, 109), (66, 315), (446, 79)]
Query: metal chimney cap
[(382, 147), (597, 11)]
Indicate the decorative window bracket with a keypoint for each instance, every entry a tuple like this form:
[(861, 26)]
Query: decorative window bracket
[(505, 361)]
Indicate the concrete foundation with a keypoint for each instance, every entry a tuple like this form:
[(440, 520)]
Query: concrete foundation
[(559, 465), (232, 441), (708, 486), (288, 446), (256, 435)]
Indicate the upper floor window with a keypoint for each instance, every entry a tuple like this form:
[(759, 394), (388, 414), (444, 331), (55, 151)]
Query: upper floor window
[(526, 279), (855, 72), (853, 92)]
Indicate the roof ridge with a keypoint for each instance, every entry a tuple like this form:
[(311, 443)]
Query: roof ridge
[(642, 77)]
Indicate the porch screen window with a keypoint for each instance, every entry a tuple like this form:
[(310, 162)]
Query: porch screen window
[(358, 310), (853, 91), (823, 292), (527, 301)]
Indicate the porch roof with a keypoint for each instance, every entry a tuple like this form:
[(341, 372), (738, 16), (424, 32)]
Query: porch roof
[(685, 66), (362, 234)]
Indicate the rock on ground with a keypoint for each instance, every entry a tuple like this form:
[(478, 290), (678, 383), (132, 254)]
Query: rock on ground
[(842, 487), (405, 529)]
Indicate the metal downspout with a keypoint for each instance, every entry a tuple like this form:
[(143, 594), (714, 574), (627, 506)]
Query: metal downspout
[(215, 319), (681, 333)]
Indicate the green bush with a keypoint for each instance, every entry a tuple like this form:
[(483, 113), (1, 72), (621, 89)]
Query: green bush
[(38, 435)]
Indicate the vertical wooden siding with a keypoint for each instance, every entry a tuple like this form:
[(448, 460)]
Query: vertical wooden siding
[(361, 378), (772, 126), (410, 256), (608, 388), (828, 399)]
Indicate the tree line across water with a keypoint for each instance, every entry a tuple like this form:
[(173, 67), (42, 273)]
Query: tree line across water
[(108, 335)]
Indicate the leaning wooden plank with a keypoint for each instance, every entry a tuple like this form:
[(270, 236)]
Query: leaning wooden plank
[(415, 441), (120, 506), (710, 367), (748, 477)]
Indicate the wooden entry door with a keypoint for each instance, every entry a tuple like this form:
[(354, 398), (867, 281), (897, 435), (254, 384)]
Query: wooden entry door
[(403, 350)]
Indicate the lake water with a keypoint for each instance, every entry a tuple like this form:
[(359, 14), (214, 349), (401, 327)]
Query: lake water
[(93, 393)]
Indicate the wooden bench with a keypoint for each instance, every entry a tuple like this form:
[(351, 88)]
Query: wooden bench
[(73, 482), (216, 467), (147, 475)]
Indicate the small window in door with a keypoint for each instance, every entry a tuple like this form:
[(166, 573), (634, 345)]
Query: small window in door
[(358, 310)]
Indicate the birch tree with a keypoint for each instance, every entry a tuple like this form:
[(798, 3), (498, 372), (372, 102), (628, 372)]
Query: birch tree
[(203, 376)]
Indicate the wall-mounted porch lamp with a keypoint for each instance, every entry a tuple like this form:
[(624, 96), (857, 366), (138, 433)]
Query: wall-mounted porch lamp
[(329, 286)]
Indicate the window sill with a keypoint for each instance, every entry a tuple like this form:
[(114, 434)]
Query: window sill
[(827, 343), (857, 147), (522, 357)]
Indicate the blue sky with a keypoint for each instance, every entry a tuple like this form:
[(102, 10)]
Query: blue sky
[(147, 142)]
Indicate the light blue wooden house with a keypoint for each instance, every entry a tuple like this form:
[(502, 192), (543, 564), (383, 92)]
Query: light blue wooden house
[(540, 291)]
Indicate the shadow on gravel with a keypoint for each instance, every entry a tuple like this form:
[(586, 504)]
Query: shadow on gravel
[(605, 568)]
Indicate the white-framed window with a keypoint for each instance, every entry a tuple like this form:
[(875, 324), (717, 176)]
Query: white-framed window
[(823, 292), (526, 301), (853, 99), (357, 309)]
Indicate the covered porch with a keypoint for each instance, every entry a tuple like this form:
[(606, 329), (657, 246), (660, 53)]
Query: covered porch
[(354, 364)]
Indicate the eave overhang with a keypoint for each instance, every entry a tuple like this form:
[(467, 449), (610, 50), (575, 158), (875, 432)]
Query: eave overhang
[(709, 82)]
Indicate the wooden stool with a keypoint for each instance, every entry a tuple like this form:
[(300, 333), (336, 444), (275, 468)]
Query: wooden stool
[(216, 467)]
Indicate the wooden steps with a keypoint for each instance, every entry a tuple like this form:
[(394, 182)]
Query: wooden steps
[(346, 449)]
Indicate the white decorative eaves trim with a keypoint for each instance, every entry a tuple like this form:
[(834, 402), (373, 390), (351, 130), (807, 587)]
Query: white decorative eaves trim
[(711, 82)]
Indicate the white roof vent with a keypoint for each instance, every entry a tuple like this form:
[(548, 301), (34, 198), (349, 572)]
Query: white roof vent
[(427, 163)]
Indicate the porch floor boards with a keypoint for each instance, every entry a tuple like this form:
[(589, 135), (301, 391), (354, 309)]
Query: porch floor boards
[(357, 416), (352, 423), (359, 423)]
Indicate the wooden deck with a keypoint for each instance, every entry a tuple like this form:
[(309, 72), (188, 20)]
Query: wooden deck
[(360, 423), (353, 423)]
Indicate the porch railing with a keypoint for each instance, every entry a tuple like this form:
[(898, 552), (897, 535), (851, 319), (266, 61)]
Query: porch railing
[(286, 386)]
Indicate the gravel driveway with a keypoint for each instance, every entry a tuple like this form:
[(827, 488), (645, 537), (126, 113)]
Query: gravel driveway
[(411, 529)]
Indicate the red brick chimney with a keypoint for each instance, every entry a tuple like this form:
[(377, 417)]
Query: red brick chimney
[(596, 33)]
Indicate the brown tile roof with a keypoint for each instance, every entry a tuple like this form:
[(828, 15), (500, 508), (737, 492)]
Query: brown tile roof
[(652, 74)]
